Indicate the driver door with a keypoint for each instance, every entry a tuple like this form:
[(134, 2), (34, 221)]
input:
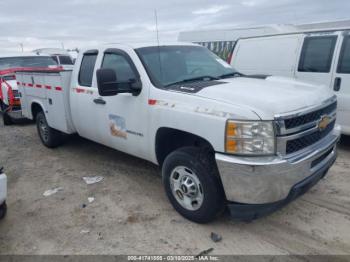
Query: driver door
[(125, 118)]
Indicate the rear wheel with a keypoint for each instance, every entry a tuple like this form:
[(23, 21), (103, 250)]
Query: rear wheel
[(3, 210), (49, 137), (192, 184)]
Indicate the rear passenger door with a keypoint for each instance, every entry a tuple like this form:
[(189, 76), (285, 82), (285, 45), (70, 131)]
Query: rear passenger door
[(341, 83), (85, 107), (316, 62)]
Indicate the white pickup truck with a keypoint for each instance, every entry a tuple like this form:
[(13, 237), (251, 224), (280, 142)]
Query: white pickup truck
[(249, 143)]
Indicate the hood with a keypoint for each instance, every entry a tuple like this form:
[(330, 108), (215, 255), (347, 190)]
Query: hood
[(267, 97)]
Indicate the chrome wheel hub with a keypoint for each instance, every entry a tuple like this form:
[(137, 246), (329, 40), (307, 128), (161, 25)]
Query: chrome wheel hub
[(43, 129), (186, 188)]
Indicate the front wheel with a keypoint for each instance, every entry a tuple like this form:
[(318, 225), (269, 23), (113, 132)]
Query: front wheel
[(49, 137), (192, 184)]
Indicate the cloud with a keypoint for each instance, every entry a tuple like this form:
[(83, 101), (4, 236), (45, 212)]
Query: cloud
[(77, 23), (210, 10), (249, 3)]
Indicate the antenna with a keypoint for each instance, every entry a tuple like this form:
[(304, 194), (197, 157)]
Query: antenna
[(156, 18), (157, 31)]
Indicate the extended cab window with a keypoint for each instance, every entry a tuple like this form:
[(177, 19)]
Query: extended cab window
[(87, 69), (317, 54), (344, 59), (121, 66)]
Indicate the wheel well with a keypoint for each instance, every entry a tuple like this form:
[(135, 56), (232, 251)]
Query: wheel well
[(36, 108), (169, 139)]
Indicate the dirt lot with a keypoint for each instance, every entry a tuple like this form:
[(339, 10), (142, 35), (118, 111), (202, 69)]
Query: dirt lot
[(131, 214)]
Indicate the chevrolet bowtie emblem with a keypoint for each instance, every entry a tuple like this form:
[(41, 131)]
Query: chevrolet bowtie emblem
[(324, 122)]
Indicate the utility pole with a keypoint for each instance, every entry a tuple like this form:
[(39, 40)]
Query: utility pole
[(21, 45)]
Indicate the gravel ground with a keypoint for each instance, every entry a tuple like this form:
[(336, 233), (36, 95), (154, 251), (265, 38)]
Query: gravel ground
[(131, 215)]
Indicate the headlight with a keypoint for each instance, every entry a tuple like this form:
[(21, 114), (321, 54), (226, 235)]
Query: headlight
[(250, 137)]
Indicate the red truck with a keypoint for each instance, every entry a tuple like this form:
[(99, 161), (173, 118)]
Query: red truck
[(10, 104)]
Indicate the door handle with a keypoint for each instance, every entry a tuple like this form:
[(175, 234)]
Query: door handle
[(99, 101), (337, 84)]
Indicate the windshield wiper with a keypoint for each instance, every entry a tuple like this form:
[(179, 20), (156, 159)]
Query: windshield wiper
[(233, 74), (203, 78)]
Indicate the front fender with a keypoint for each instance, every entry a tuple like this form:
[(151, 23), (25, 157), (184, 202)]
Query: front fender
[(207, 125)]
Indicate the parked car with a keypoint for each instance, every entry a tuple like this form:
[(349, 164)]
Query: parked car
[(319, 57), (3, 194), (221, 139), (61, 56), (10, 105)]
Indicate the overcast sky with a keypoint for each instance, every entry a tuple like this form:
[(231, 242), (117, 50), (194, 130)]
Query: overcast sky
[(75, 23)]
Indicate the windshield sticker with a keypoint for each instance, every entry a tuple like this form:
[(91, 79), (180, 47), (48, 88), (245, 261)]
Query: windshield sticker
[(222, 62), (117, 126)]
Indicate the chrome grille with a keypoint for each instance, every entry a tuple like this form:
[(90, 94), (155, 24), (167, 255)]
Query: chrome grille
[(300, 130), (308, 140), (310, 117)]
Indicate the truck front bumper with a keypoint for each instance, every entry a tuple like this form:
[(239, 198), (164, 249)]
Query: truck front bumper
[(257, 186), (3, 188)]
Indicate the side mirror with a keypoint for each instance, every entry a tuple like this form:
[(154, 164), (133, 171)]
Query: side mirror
[(107, 82), (109, 86)]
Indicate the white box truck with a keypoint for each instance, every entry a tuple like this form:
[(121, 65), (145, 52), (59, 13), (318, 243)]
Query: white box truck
[(222, 140), (321, 57)]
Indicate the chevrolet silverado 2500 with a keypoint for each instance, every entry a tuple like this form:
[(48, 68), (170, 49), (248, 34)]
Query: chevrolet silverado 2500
[(222, 139)]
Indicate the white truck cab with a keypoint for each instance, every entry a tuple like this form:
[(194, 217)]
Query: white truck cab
[(320, 57), (222, 139)]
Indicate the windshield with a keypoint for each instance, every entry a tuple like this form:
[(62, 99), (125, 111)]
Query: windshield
[(26, 61), (167, 65)]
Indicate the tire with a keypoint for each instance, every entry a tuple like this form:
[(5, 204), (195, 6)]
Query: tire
[(5, 117), (50, 137), (192, 184), (3, 210)]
